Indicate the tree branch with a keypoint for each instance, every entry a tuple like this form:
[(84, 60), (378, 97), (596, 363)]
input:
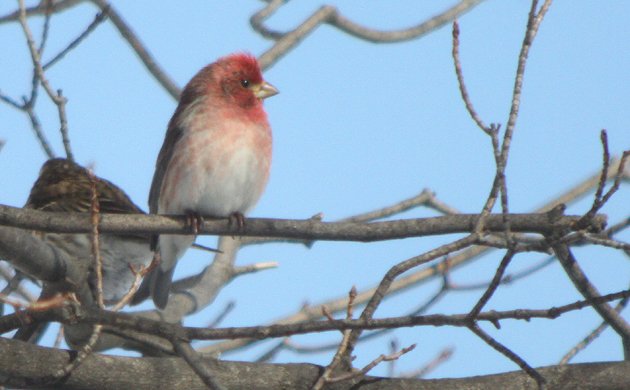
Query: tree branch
[(330, 15), (20, 362), (309, 229), (143, 53)]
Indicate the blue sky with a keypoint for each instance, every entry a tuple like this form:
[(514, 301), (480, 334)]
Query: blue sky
[(358, 126)]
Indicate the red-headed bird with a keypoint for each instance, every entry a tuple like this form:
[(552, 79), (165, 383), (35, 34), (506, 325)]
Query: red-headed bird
[(216, 155)]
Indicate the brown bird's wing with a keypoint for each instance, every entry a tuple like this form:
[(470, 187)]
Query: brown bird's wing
[(63, 185), (173, 135)]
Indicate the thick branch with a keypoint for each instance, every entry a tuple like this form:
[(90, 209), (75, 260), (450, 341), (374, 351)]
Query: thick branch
[(33, 256), (20, 362)]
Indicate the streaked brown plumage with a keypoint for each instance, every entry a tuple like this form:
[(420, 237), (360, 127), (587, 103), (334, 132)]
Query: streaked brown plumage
[(65, 186)]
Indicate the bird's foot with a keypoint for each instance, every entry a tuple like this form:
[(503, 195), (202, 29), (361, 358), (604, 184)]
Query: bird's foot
[(237, 218), (194, 221)]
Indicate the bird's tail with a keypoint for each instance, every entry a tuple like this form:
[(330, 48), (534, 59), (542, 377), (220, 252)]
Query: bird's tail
[(158, 283), (161, 286)]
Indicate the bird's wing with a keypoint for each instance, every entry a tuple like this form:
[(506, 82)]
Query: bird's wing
[(173, 135), (66, 186)]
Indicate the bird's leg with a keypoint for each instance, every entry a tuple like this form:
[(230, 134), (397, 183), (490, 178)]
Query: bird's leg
[(237, 218), (194, 221)]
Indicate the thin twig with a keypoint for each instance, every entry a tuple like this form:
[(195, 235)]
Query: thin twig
[(39, 133), (59, 337), (41, 8), (498, 276), (507, 279), (197, 363), (46, 26), (325, 377), (462, 85), (98, 19), (252, 268), (257, 19), (493, 131), (290, 345), (600, 198), (442, 357), (8, 274), (222, 314), (605, 242), (591, 336), (367, 368), (394, 272), (533, 22), (589, 291), (95, 239), (57, 98), (505, 351), (85, 351)]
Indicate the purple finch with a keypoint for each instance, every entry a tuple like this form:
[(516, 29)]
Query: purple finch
[(216, 155)]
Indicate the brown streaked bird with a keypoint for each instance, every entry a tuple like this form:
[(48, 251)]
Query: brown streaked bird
[(65, 186)]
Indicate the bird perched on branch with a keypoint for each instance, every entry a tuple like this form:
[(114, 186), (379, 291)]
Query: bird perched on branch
[(216, 155), (65, 186)]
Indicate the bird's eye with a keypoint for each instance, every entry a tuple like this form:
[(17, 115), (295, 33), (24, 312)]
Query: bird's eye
[(245, 83)]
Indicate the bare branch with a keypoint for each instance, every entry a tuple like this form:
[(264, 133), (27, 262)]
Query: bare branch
[(13, 278), (330, 15), (257, 267), (138, 323), (533, 22), (327, 374), (509, 354), (462, 85), (197, 363), (98, 19), (498, 276), (147, 59), (591, 336), (442, 357), (458, 260), (394, 272), (41, 9), (589, 291), (309, 229), (95, 210), (362, 372), (57, 98), (85, 351), (601, 198), (23, 361), (37, 128)]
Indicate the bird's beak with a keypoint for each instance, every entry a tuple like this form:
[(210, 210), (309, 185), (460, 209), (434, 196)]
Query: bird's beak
[(264, 90)]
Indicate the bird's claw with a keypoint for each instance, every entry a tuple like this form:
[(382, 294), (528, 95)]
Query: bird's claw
[(238, 219), (194, 222)]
